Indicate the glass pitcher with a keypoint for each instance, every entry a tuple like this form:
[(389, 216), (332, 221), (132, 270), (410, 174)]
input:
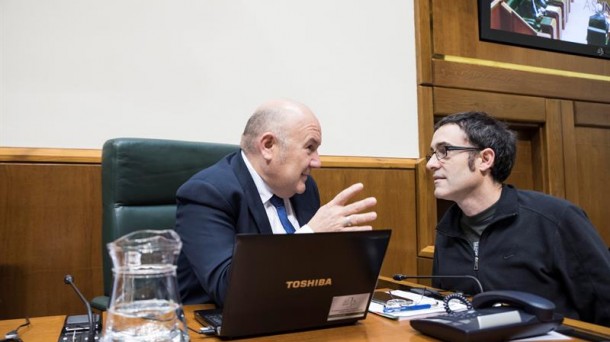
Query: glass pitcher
[(145, 304)]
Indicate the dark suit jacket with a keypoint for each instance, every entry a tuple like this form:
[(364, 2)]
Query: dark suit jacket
[(213, 206), (597, 30)]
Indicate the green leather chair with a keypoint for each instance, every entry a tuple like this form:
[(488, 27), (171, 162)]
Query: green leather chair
[(140, 178)]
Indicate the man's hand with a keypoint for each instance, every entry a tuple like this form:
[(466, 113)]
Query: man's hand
[(337, 215)]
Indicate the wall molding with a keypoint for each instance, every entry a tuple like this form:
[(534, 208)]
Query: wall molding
[(94, 156)]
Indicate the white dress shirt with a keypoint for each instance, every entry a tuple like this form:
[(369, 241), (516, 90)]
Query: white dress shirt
[(266, 194)]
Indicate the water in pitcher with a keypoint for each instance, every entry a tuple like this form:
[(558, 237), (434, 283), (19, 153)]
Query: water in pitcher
[(154, 320)]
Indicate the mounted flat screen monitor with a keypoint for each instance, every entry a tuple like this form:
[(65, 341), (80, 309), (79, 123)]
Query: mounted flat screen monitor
[(577, 27)]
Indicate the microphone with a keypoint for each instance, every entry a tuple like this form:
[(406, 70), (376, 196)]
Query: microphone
[(70, 281), (403, 277)]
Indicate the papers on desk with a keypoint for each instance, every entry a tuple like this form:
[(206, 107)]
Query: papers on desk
[(550, 336), (436, 306)]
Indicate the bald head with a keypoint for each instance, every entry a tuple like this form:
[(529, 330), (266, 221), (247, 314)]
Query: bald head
[(281, 141), (277, 117)]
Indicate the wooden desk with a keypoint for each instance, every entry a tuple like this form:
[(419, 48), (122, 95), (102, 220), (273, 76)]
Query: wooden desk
[(373, 328)]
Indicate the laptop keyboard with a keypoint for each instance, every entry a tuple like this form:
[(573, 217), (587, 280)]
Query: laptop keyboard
[(215, 319)]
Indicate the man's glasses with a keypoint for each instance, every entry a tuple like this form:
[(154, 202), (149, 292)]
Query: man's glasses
[(441, 151)]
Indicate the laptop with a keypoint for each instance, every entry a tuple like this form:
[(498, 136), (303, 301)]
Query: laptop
[(281, 283)]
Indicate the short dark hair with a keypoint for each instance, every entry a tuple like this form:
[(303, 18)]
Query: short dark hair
[(484, 131)]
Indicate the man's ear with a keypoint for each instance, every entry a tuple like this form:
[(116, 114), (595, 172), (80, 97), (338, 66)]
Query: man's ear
[(267, 145), (488, 157)]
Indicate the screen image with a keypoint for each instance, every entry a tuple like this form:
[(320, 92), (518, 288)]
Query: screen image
[(577, 27)]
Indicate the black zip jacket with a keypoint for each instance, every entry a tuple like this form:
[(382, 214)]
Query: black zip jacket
[(535, 243)]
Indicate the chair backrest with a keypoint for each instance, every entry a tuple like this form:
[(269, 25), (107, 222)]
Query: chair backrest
[(140, 178)]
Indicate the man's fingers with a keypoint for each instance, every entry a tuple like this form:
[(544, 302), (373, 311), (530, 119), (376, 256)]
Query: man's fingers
[(356, 229), (337, 215), (361, 205), (358, 219), (347, 193)]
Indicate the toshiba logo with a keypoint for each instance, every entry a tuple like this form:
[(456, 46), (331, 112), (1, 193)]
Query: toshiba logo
[(295, 284)]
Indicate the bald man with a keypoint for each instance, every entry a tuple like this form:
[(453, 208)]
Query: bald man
[(279, 148)]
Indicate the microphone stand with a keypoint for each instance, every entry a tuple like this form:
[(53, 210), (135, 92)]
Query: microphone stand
[(403, 277), (69, 280)]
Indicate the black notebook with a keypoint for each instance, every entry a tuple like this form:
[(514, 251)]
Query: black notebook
[(281, 283)]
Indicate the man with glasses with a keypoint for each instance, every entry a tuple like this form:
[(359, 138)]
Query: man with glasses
[(511, 239)]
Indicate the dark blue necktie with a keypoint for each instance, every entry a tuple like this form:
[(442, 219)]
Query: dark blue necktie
[(278, 203)]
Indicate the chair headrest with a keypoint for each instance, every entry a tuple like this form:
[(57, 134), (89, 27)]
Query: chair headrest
[(140, 170)]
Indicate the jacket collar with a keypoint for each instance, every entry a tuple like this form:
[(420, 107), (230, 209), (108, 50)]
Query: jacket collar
[(251, 195), (508, 206)]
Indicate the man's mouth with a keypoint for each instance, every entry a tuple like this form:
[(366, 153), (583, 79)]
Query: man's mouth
[(438, 180)]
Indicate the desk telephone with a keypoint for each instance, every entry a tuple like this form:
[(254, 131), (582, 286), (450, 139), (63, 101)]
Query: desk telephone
[(495, 316)]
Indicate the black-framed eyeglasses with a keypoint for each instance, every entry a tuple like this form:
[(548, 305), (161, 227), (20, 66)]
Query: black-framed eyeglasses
[(441, 151)]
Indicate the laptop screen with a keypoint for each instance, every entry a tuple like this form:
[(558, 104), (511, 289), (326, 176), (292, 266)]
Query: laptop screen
[(301, 281)]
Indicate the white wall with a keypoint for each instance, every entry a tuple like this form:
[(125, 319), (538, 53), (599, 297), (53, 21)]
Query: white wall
[(77, 72)]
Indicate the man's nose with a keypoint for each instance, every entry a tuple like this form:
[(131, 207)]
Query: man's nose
[(315, 161), (433, 162)]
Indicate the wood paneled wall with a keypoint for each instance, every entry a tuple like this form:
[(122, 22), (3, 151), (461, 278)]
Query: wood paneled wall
[(50, 222), (589, 162), (394, 189), (50, 226)]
